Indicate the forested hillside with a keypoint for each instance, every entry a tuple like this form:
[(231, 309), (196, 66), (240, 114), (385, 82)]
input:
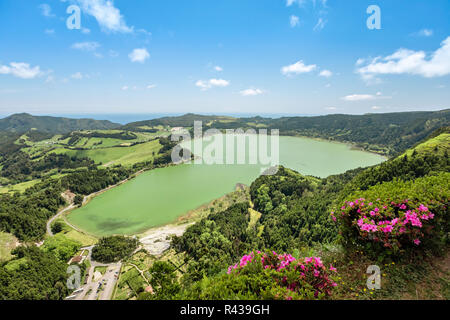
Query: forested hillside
[(387, 133), (24, 122)]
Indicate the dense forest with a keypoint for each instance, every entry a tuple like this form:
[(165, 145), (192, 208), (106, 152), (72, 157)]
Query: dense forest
[(114, 248), (19, 166)]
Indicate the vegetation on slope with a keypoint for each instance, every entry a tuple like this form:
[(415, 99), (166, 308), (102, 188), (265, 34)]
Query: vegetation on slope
[(113, 249), (33, 275), (389, 133), (24, 122), (412, 222)]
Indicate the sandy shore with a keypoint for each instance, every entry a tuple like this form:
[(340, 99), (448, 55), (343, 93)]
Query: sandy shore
[(157, 240)]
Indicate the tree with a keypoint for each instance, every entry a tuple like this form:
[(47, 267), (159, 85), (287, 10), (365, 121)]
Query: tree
[(78, 200), (164, 280), (57, 227)]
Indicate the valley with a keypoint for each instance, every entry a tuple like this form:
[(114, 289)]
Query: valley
[(192, 219)]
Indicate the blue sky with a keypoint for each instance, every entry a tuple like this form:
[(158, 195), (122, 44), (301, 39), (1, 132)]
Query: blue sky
[(224, 56)]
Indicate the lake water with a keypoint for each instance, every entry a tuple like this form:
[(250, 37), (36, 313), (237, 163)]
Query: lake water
[(159, 196)]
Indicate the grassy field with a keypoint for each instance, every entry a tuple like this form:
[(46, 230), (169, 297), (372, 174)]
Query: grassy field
[(100, 149), (20, 187), (70, 233), (117, 155), (7, 243), (442, 140)]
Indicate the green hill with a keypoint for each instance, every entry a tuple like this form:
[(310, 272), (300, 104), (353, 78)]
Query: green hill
[(24, 122), (387, 133)]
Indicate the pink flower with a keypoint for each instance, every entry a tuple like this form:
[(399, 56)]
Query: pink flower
[(417, 242)]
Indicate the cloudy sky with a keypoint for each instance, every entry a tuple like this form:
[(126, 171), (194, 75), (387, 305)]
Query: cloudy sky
[(223, 56)]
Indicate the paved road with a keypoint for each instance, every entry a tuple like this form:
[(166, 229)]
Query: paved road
[(49, 222), (109, 280)]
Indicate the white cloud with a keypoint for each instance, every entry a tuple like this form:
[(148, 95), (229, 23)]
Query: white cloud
[(21, 70), (326, 73), (297, 68), (77, 76), (208, 84), (294, 21), (359, 97), (320, 24), (49, 31), (86, 46), (376, 108), (331, 108), (405, 61), (425, 33), (46, 10), (108, 17), (218, 68), (125, 88), (85, 30), (139, 55), (251, 92), (151, 86), (360, 61)]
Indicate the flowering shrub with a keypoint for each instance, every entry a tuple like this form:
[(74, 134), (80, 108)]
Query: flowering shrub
[(397, 215), (393, 224), (300, 279)]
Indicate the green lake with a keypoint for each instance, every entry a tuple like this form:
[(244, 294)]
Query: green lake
[(160, 196)]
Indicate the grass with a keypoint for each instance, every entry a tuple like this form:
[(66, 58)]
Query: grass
[(101, 269), (70, 233), (125, 156), (7, 243), (20, 187), (254, 217), (437, 144), (217, 205), (101, 150), (15, 264), (416, 278)]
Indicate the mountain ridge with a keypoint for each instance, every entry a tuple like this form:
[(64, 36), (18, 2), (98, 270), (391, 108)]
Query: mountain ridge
[(23, 122)]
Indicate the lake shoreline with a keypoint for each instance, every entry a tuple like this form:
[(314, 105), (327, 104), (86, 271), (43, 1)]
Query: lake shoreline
[(218, 173)]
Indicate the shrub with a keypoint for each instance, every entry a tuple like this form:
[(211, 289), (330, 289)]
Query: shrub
[(395, 216), (269, 276), (113, 249)]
